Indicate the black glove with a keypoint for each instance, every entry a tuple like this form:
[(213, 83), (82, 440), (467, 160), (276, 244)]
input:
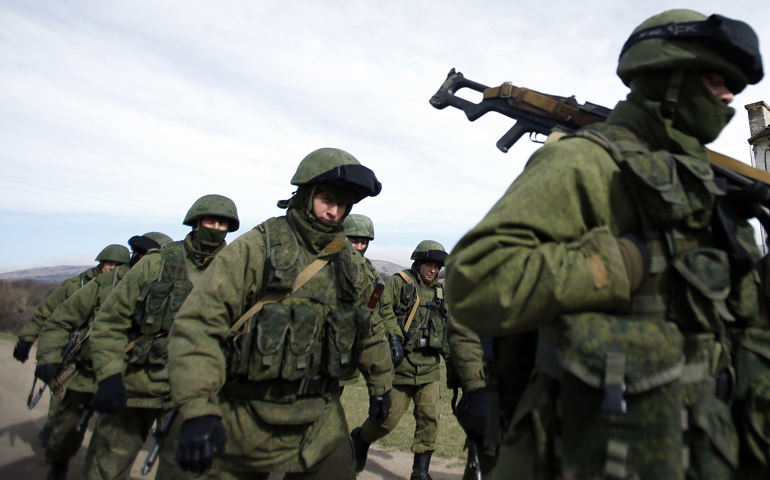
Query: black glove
[(379, 407), (396, 351), (21, 351), (197, 439), (478, 412), (47, 371), (110, 395)]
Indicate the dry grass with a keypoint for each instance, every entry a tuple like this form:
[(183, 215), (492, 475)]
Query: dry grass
[(451, 438)]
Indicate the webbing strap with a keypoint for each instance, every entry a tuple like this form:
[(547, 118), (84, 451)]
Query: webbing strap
[(561, 107), (146, 336), (303, 277), (617, 456), (408, 280)]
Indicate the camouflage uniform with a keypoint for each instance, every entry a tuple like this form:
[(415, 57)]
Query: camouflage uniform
[(129, 339), (623, 268), (74, 313), (417, 377), (273, 393)]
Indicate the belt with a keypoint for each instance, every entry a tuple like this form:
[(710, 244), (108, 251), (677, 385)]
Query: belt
[(280, 389)]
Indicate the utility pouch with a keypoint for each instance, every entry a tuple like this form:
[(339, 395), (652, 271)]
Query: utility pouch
[(297, 356), (179, 293), (157, 299), (437, 335), (712, 440), (622, 403), (752, 405), (340, 354), (706, 272), (269, 331)]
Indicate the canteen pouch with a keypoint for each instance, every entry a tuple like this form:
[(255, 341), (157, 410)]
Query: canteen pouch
[(267, 341), (340, 354), (622, 403), (752, 405)]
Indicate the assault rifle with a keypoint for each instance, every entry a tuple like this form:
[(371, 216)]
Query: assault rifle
[(88, 410), (538, 113), (69, 349), (33, 398), (160, 438)]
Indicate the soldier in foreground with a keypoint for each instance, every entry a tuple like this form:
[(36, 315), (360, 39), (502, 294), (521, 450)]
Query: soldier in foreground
[(135, 322), (360, 231), (637, 268), (72, 378), (415, 314), (281, 317), (110, 257)]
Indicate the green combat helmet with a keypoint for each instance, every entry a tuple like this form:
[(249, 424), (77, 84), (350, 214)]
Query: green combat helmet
[(114, 253), (213, 206), (430, 251), (684, 39), (338, 168), (359, 226)]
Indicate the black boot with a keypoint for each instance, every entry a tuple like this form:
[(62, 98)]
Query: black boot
[(59, 470), (45, 435), (420, 467), (360, 449)]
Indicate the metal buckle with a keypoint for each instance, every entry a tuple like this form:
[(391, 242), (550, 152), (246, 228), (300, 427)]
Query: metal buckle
[(613, 401), (421, 343), (502, 90)]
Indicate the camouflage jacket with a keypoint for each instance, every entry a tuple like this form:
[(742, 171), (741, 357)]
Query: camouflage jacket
[(75, 312), (114, 328), (32, 328)]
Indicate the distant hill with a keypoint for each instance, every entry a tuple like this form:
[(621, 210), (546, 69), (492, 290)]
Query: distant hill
[(388, 268), (46, 274)]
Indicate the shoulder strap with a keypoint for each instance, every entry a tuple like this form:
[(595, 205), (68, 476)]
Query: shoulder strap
[(408, 280), (303, 277)]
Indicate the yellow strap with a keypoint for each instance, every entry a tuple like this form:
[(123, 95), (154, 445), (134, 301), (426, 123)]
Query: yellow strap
[(274, 297), (146, 336), (408, 280), (739, 167)]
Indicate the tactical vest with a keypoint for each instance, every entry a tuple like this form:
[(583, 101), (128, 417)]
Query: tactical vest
[(314, 335), (429, 325), (157, 306), (83, 356), (642, 391)]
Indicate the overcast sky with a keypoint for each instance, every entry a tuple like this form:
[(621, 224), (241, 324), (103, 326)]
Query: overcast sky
[(116, 116)]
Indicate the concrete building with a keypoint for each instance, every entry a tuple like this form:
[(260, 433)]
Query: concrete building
[(759, 126)]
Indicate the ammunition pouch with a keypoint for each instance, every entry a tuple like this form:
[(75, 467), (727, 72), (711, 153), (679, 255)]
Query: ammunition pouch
[(752, 404)]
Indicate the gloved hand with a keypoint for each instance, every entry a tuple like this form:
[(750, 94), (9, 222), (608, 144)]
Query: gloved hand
[(21, 351), (47, 371), (197, 439), (636, 257), (396, 351), (379, 407), (478, 412), (110, 395)]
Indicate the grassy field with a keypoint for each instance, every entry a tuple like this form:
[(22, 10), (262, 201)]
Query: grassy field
[(451, 437), (9, 337)]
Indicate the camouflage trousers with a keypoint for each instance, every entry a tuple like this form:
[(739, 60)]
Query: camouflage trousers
[(119, 437), (65, 441), (52, 410), (427, 413)]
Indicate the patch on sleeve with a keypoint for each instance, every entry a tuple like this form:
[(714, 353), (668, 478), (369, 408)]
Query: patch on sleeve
[(597, 269)]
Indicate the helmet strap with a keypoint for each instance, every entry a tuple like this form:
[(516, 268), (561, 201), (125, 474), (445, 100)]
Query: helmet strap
[(672, 95)]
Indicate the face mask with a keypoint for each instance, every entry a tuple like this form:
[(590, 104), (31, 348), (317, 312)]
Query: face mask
[(699, 113), (211, 237)]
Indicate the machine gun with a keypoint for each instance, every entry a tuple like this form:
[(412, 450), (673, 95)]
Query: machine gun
[(160, 438)]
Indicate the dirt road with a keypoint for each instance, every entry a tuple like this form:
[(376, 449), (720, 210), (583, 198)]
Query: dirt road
[(22, 457)]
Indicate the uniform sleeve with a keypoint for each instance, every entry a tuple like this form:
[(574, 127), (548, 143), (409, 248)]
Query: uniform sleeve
[(34, 325), (224, 292), (467, 355), (112, 326), (548, 246), (385, 312), (67, 318), (375, 365)]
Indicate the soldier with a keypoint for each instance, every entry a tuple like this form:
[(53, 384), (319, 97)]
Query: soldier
[(132, 327), (415, 313), (73, 380), (467, 366), (360, 231), (110, 257), (281, 318), (636, 266)]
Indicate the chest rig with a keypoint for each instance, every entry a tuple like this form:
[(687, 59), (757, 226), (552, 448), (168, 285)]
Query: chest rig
[(422, 313), (158, 303), (639, 389), (308, 338)]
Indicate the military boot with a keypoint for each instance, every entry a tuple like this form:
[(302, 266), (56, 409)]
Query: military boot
[(420, 467), (360, 449), (59, 470)]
